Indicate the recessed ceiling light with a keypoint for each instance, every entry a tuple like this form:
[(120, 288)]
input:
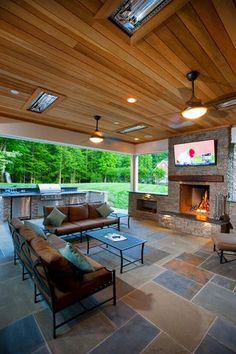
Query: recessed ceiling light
[(15, 92), (136, 139), (116, 123), (148, 136), (131, 100)]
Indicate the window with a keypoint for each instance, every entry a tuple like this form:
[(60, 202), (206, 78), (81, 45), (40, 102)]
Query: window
[(153, 173)]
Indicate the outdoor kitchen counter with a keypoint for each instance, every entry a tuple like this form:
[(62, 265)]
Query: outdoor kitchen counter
[(29, 204)]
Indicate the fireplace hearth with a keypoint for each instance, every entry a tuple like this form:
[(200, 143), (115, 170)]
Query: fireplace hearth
[(194, 199)]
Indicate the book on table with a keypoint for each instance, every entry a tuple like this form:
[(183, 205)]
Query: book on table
[(115, 237)]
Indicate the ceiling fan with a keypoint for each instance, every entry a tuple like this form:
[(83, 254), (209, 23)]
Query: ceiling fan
[(195, 108), (98, 137)]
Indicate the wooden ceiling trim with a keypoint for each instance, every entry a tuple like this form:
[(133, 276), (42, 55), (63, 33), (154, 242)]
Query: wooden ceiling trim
[(215, 27), (20, 13), (39, 119), (157, 20), (153, 55), (227, 12), (106, 9), (140, 61), (158, 45), (67, 19), (92, 5), (21, 86), (204, 64), (69, 70), (150, 86), (195, 25)]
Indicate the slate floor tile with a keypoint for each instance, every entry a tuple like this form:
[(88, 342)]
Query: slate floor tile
[(178, 284), (226, 269), (199, 275), (203, 254), (217, 299), (9, 270), (185, 322), (118, 314), (224, 332), (78, 336), (133, 337), (21, 337), (211, 346), (225, 282), (164, 344), (191, 258)]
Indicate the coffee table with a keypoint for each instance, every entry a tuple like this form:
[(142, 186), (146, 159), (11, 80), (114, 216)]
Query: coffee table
[(121, 246)]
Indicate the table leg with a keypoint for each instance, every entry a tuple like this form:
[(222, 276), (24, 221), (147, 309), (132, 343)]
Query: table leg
[(87, 244), (142, 249), (128, 221), (121, 261)]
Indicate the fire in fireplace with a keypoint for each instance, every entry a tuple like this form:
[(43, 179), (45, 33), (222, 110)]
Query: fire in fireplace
[(194, 199)]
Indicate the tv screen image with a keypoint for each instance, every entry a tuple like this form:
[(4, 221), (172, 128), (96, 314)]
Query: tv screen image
[(198, 153)]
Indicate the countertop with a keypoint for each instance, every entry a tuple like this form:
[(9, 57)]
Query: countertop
[(35, 194)]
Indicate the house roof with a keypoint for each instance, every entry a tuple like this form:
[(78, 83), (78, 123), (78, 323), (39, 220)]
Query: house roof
[(71, 48)]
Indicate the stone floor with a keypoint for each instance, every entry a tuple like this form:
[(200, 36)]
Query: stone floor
[(181, 300)]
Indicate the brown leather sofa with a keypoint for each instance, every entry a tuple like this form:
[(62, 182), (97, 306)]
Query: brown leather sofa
[(79, 218), (56, 279)]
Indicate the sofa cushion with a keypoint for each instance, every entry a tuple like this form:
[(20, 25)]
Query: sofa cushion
[(93, 213), (105, 210), (48, 209), (89, 223), (62, 272), (55, 218), (78, 212), (28, 233), (66, 228), (77, 258), (36, 228)]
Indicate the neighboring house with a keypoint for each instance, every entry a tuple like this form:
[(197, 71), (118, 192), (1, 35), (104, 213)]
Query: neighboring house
[(164, 165)]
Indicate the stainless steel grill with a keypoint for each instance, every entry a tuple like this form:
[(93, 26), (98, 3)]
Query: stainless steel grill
[(50, 191)]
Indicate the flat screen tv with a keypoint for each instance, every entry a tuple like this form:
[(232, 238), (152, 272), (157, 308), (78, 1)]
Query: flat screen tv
[(198, 153)]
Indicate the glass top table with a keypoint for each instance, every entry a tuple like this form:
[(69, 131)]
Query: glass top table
[(105, 236)]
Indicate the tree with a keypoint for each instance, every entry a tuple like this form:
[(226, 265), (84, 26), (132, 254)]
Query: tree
[(159, 173)]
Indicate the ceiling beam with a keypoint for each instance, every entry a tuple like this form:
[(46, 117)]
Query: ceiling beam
[(157, 20), (106, 10)]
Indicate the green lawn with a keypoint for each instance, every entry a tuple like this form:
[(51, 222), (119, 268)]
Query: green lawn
[(118, 192)]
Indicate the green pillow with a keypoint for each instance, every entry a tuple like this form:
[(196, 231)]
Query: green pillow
[(77, 258), (55, 218), (105, 210), (37, 229)]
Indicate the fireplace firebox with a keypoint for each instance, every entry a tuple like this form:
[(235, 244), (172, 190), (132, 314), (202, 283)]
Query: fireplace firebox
[(194, 199)]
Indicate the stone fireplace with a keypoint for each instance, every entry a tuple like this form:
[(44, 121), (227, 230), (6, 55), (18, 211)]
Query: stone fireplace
[(191, 188), (194, 199)]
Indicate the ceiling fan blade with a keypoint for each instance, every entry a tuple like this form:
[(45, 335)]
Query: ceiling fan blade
[(218, 114)]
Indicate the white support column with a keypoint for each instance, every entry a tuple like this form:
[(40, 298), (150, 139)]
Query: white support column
[(134, 173)]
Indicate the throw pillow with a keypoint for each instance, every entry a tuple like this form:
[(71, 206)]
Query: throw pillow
[(55, 218), (105, 210), (37, 229), (77, 258)]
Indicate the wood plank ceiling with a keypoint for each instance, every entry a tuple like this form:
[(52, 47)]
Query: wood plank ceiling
[(71, 48)]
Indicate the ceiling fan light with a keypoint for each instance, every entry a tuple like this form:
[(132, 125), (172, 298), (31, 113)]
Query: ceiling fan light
[(96, 138), (194, 112)]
